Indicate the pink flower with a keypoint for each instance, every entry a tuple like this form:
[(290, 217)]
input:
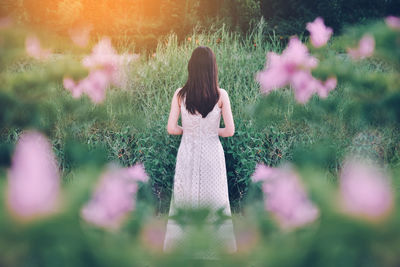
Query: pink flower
[(365, 191), (365, 48), (286, 198), (34, 49), (138, 173), (95, 85), (304, 86), (33, 180), (103, 56), (323, 88), (320, 34), (114, 197), (261, 172), (80, 36), (293, 67), (105, 68), (280, 68), (393, 22), (275, 75), (71, 86), (296, 56)]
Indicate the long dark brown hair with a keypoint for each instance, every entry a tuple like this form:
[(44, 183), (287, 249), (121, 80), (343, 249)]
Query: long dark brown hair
[(201, 88)]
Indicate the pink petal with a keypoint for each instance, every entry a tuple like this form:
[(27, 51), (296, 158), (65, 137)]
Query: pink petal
[(33, 180), (296, 53), (71, 86), (103, 55), (281, 69), (304, 86), (34, 49), (113, 198), (323, 89), (138, 173), (365, 191), (320, 34), (287, 200), (261, 172), (274, 76), (96, 84), (365, 48), (393, 22)]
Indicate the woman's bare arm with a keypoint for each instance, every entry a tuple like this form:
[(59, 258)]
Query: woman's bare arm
[(173, 127), (229, 129)]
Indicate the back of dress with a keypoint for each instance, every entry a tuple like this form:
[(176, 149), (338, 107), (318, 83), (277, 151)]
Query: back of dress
[(200, 174)]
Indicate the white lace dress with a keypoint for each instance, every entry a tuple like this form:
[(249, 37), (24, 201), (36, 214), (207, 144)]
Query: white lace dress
[(200, 175)]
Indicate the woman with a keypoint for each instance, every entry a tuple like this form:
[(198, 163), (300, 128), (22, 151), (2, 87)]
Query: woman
[(200, 174)]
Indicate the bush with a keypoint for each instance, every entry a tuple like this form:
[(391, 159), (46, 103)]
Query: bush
[(289, 17)]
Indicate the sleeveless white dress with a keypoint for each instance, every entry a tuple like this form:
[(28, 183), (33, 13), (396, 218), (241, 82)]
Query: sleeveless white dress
[(200, 176)]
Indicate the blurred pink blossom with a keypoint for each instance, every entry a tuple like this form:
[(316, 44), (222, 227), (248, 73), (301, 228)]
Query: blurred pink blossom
[(323, 88), (105, 67), (261, 172), (34, 49), (365, 191), (94, 85), (293, 67), (5, 22), (274, 75), (103, 56), (365, 48), (138, 173), (80, 36), (114, 196), (319, 33), (70, 85), (280, 68), (304, 85), (285, 197), (152, 234), (393, 22), (33, 180)]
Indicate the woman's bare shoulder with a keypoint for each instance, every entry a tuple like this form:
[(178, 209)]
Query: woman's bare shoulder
[(177, 91), (222, 96), (177, 96)]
